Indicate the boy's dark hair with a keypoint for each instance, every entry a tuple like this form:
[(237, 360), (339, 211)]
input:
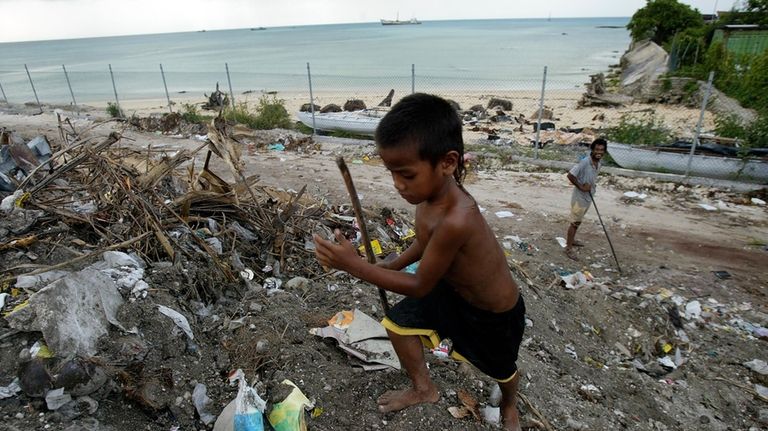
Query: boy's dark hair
[(427, 121), (598, 141)]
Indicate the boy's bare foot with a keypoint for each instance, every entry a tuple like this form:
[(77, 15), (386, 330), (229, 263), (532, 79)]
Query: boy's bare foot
[(392, 401), (571, 253)]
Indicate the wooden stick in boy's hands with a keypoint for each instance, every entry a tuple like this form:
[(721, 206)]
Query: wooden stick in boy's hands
[(360, 222)]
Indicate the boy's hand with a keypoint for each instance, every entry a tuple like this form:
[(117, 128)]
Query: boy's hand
[(339, 256)]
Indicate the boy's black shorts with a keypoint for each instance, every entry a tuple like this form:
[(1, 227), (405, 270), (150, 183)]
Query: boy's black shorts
[(489, 341)]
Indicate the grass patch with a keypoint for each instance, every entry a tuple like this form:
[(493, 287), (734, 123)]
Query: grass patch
[(191, 114), (113, 110)]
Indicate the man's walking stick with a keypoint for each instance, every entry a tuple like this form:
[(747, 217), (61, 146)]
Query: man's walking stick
[(606, 232), (360, 222)]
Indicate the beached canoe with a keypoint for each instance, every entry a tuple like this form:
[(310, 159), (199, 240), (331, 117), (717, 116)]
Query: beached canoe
[(359, 122), (656, 159)]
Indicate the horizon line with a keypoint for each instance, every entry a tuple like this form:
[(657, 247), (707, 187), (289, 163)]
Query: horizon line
[(262, 28)]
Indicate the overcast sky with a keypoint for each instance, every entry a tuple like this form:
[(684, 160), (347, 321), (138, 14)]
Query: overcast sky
[(64, 19)]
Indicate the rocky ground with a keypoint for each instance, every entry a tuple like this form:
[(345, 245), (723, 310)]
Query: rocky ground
[(665, 344)]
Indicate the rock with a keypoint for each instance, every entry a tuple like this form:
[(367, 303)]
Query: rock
[(496, 103), (331, 107), (354, 105), (34, 378), (308, 108), (80, 377), (642, 66), (297, 284)]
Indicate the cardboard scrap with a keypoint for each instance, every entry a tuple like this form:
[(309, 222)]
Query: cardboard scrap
[(361, 337)]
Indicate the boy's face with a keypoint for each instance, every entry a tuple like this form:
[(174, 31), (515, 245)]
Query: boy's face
[(415, 179)]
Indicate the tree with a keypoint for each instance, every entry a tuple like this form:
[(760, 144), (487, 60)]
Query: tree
[(659, 20), (757, 6)]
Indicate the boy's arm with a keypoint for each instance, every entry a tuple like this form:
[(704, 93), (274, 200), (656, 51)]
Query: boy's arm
[(437, 257), (410, 255)]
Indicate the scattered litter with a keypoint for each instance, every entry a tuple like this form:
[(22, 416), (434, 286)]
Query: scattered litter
[(72, 312), (560, 240), (178, 319), (723, 275), (444, 349), (201, 400), (693, 310), (11, 390), (634, 196), (667, 362), (246, 411), (762, 391), (362, 337), (468, 406), (757, 365), (272, 283), (288, 414), (576, 280), (491, 415), (708, 207), (276, 147), (758, 201), (56, 398), (3, 297), (504, 214)]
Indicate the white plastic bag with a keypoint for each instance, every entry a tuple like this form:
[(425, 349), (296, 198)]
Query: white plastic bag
[(249, 407)]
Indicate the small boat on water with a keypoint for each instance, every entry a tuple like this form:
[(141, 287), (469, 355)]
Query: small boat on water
[(397, 21), (674, 159), (360, 122)]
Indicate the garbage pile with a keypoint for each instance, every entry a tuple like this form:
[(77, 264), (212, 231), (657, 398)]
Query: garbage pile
[(143, 279)]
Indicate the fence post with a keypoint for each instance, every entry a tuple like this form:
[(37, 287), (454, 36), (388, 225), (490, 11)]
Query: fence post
[(229, 81), (413, 78), (33, 89), (701, 120), (5, 99), (541, 111), (311, 100), (114, 88), (72, 93), (162, 73)]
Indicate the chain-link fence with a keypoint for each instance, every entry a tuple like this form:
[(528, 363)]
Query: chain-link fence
[(541, 118)]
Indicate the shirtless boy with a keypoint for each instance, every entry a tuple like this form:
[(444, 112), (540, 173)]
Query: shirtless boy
[(462, 289)]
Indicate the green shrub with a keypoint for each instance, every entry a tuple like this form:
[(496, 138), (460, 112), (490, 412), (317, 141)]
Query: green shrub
[(756, 135), (270, 114), (730, 126), (192, 115), (113, 110), (644, 129)]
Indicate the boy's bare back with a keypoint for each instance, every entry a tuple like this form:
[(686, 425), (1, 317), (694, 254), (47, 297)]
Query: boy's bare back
[(478, 270)]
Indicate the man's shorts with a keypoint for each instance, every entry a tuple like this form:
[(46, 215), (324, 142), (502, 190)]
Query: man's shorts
[(489, 341), (577, 212)]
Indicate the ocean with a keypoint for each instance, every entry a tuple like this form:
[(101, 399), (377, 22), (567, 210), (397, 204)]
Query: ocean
[(447, 56)]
